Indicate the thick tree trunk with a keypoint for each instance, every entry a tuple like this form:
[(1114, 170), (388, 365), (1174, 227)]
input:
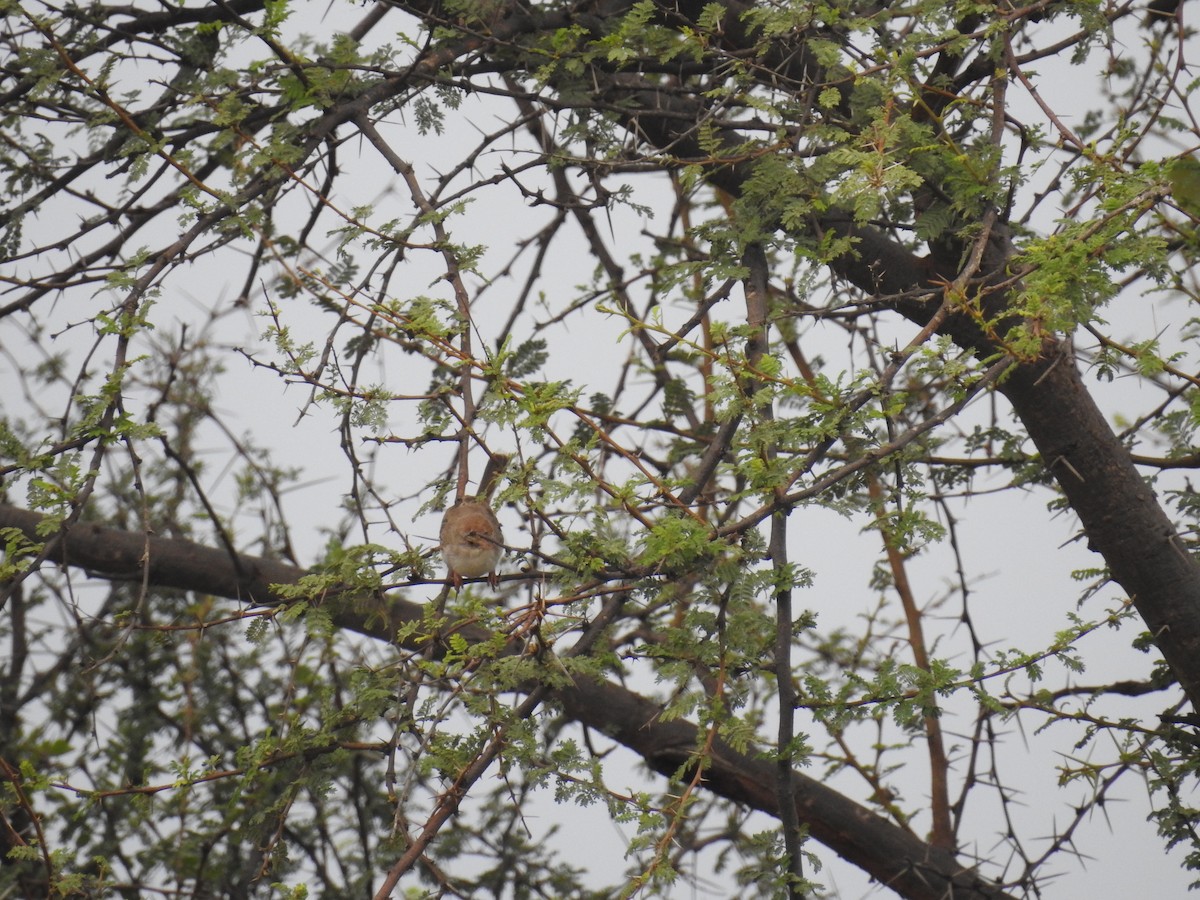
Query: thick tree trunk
[(1120, 513)]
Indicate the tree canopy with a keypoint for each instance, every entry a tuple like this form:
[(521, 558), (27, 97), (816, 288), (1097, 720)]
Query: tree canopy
[(840, 365)]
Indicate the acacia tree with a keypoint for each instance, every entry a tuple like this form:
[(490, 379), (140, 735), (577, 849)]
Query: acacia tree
[(707, 273)]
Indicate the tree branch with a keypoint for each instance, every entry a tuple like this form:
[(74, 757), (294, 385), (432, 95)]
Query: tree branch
[(894, 857)]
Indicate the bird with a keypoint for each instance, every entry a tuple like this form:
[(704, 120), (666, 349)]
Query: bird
[(471, 536), (472, 541)]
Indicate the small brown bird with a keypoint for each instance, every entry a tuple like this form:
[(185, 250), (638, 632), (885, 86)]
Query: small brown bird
[(472, 540)]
